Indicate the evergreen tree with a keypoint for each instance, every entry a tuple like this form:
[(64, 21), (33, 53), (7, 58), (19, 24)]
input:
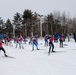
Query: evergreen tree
[(2, 26), (9, 28), (17, 24), (27, 19), (50, 21)]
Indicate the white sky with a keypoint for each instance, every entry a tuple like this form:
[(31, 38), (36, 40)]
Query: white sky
[(8, 8)]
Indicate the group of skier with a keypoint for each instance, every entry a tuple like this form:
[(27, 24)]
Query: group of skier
[(49, 41)]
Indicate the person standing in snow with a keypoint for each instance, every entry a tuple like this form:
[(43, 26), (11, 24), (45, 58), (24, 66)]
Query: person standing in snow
[(51, 45)]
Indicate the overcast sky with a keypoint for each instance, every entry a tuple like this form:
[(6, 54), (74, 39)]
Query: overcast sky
[(8, 8)]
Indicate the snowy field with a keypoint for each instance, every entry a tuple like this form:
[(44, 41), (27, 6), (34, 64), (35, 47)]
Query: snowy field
[(37, 62)]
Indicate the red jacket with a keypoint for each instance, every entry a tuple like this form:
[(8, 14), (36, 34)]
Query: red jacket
[(0, 44), (21, 39), (51, 39), (61, 37)]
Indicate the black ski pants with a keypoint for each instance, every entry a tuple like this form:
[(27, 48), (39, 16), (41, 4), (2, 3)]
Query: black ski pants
[(1, 48)]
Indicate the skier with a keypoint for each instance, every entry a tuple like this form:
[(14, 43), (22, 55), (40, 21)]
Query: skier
[(30, 42), (21, 42), (17, 42), (56, 36), (1, 48), (74, 36), (34, 42), (51, 45), (46, 40), (37, 39), (61, 39)]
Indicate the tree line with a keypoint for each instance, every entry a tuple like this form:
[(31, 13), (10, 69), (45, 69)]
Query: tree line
[(29, 24)]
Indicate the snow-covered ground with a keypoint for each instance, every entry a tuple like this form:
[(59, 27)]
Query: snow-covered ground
[(37, 62)]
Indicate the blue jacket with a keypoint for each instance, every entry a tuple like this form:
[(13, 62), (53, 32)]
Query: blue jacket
[(56, 36)]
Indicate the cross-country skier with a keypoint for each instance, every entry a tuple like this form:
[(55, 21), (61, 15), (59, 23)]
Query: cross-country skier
[(30, 42), (61, 39), (34, 42), (56, 37), (17, 42), (46, 40), (74, 36), (36, 39), (21, 42), (51, 45), (1, 48)]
